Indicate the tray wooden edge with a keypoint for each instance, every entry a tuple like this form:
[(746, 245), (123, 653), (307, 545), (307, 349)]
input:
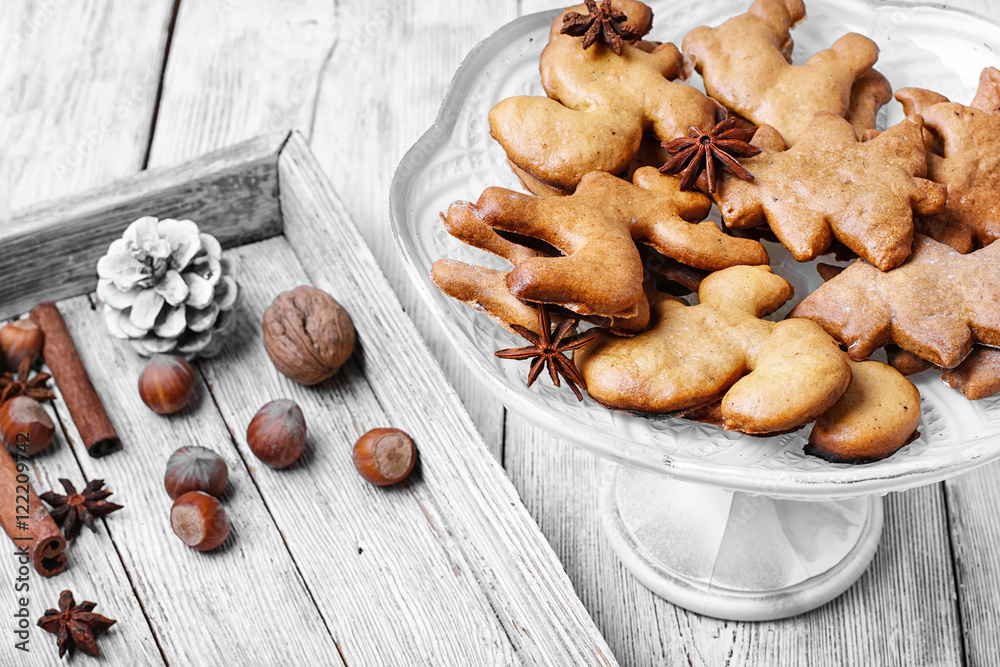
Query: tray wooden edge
[(50, 252)]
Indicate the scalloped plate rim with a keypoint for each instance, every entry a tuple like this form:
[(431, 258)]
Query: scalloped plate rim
[(827, 484)]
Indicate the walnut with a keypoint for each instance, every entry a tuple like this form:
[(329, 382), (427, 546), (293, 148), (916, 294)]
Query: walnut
[(308, 335)]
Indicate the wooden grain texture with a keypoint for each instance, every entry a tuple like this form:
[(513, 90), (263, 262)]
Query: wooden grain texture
[(974, 508), (248, 594), (407, 46), (94, 572), (78, 106), (240, 68), (78, 81), (375, 561), (473, 502), (232, 193), (361, 132)]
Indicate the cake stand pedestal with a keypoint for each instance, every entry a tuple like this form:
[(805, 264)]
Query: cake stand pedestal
[(733, 555)]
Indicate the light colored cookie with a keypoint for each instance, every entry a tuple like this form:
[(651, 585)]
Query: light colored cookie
[(878, 414), (771, 377)]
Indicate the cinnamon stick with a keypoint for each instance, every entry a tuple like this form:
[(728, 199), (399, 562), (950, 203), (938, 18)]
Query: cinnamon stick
[(26, 521), (71, 377)]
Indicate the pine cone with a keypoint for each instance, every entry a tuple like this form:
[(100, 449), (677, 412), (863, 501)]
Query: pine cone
[(167, 289)]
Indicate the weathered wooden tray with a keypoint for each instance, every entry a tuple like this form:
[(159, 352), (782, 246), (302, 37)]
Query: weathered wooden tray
[(321, 568)]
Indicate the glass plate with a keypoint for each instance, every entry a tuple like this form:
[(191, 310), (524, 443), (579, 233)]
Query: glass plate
[(929, 47)]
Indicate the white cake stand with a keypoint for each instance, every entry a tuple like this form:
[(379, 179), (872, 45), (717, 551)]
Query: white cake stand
[(725, 525)]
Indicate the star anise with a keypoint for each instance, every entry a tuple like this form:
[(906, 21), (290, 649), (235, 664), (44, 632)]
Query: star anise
[(77, 509), (700, 151), (548, 348), (75, 625), (25, 385), (601, 23)]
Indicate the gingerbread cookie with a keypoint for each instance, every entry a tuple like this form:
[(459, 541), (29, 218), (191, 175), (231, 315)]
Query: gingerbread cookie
[(771, 377), (968, 143), (598, 105), (870, 93), (905, 362), (877, 415), (596, 228), (978, 376), (746, 65), (936, 305), (672, 277), (486, 289), (830, 184)]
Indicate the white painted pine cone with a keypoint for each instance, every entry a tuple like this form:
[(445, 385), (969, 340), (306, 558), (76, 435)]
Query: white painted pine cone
[(166, 288)]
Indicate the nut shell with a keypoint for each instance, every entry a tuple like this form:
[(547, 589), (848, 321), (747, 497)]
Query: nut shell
[(195, 469), (20, 340), (199, 520), (167, 384), (277, 433), (385, 456), (25, 426), (308, 335)]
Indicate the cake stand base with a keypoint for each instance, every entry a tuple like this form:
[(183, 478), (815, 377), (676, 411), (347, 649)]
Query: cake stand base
[(731, 555)]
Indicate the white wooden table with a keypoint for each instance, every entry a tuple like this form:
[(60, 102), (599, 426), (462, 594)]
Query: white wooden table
[(94, 90)]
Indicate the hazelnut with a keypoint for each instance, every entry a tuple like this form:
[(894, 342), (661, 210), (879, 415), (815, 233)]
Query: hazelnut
[(308, 335), (199, 520), (167, 384), (385, 456), (25, 426), (277, 433), (195, 469), (20, 340)]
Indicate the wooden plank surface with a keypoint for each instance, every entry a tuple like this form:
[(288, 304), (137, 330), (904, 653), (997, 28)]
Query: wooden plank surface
[(94, 570), (974, 505), (240, 68), (384, 65), (383, 577), (78, 106), (249, 592), (901, 612), (464, 489), (362, 131), (79, 82)]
